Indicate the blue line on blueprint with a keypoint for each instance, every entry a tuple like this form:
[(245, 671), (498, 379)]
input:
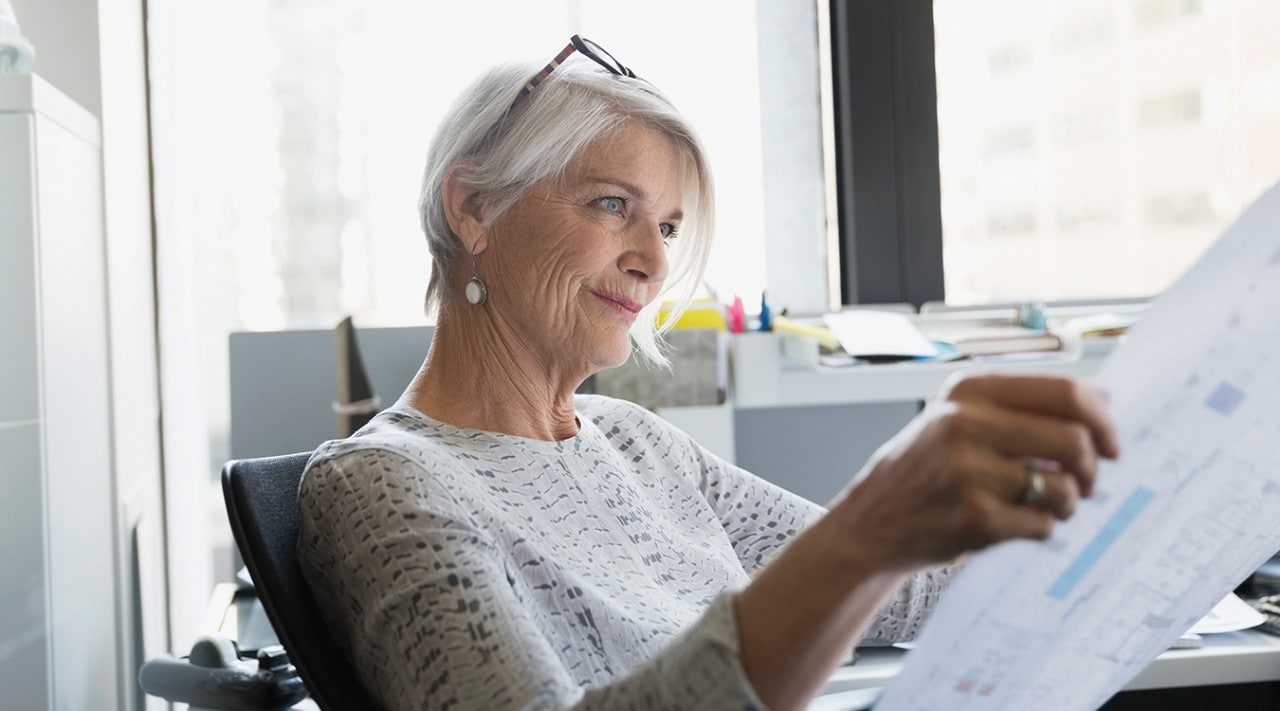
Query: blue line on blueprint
[(1073, 607), (1110, 531)]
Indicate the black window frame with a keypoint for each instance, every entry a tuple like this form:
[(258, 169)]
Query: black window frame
[(886, 151)]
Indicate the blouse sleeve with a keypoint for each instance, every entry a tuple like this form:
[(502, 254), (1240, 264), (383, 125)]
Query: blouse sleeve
[(761, 517), (426, 607)]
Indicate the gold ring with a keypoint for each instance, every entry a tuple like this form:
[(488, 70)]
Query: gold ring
[(1034, 494)]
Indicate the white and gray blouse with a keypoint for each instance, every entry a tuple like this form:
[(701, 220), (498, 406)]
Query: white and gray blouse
[(467, 569)]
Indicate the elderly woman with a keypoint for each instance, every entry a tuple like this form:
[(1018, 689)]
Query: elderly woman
[(495, 541)]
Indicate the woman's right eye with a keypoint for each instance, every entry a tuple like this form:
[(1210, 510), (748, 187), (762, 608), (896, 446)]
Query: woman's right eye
[(612, 204)]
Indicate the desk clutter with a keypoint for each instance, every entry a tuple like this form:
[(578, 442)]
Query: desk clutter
[(698, 374), (698, 346), (861, 335)]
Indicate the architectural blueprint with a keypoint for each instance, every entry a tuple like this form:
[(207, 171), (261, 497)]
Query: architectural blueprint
[(1189, 510)]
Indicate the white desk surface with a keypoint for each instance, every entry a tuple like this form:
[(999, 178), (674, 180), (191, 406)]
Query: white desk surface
[(1228, 658)]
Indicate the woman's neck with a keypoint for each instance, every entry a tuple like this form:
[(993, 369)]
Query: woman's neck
[(475, 380)]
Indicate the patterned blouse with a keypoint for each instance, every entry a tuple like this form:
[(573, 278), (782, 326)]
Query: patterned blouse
[(468, 569)]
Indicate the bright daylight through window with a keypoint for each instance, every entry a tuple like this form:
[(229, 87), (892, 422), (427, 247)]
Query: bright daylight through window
[(290, 140), (1093, 149)]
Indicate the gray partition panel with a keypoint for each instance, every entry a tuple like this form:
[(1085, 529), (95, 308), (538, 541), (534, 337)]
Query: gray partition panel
[(284, 383), (815, 451)]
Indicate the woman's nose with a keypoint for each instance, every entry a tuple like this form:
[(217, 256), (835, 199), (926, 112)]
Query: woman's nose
[(647, 257)]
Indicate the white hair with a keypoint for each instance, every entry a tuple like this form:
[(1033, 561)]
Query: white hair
[(504, 150)]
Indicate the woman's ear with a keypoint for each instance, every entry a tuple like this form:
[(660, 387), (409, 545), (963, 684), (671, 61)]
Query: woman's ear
[(464, 210)]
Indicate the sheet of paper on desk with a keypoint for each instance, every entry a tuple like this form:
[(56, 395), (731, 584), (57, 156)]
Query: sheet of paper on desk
[(1187, 512), (868, 333)]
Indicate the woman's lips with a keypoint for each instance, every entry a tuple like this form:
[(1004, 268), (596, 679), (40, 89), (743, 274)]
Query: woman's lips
[(620, 303)]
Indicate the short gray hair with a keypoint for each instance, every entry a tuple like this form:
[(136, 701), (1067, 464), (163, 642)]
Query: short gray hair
[(507, 150)]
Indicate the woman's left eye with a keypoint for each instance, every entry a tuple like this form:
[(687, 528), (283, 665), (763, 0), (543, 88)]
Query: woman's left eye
[(612, 204)]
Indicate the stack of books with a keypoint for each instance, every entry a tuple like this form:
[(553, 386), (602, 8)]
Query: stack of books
[(973, 340)]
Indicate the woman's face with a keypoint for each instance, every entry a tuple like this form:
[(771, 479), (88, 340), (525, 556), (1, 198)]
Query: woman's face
[(570, 266)]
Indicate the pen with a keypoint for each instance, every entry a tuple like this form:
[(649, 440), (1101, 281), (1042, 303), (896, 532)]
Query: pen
[(737, 317)]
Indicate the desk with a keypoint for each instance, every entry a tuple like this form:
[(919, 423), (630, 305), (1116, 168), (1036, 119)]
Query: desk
[(1229, 658)]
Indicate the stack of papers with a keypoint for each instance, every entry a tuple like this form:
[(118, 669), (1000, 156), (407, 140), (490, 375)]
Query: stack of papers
[(887, 335), (969, 339), (879, 335)]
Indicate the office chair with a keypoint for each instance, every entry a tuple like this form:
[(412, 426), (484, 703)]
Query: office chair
[(261, 496)]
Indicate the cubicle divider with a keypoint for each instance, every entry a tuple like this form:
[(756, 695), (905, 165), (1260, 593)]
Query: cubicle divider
[(284, 383)]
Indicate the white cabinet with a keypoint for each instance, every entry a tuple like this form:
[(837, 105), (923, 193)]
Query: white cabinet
[(58, 550)]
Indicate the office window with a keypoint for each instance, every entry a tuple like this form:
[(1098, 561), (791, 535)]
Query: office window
[(1123, 144), (1181, 106), (1189, 209), (1083, 125), (290, 139), (1087, 217), (1009, 59), (1011, 222), (1150, 13), (1072, 33), (1006, 141)]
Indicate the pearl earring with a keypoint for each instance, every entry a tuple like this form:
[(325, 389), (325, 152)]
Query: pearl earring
[(475, 290)]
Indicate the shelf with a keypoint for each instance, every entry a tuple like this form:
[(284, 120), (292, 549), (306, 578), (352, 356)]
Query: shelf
[(763, 378)]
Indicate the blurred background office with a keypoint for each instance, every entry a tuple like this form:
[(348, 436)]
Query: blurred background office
[(260, 161)]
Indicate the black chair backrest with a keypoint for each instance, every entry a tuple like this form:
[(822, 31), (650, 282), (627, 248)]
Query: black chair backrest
[(262, 503)]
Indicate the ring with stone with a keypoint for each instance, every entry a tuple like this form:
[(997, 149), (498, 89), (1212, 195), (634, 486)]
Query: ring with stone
[(1034, 495)]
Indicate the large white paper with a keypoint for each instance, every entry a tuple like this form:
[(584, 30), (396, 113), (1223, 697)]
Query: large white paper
[(867, 332), (1190, 509)]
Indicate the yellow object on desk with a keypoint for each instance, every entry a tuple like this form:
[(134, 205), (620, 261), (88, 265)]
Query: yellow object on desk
[(823, 335), (700, 314)]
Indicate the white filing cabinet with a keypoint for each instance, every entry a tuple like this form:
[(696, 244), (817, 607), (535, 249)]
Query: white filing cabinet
[(59, 645)]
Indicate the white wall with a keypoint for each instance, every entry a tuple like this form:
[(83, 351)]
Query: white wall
[(65, 35), (93, 51)]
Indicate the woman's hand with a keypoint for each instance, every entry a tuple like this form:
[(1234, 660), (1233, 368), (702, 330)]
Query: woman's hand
[(958, 478), (994, 457)]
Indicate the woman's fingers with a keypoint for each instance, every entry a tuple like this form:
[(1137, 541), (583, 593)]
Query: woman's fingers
[(983, 521), (1021, 522), (1066, 399), (997, 457), (1048, 489), (1025, 482), (1030, 435), (1043, 417)]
